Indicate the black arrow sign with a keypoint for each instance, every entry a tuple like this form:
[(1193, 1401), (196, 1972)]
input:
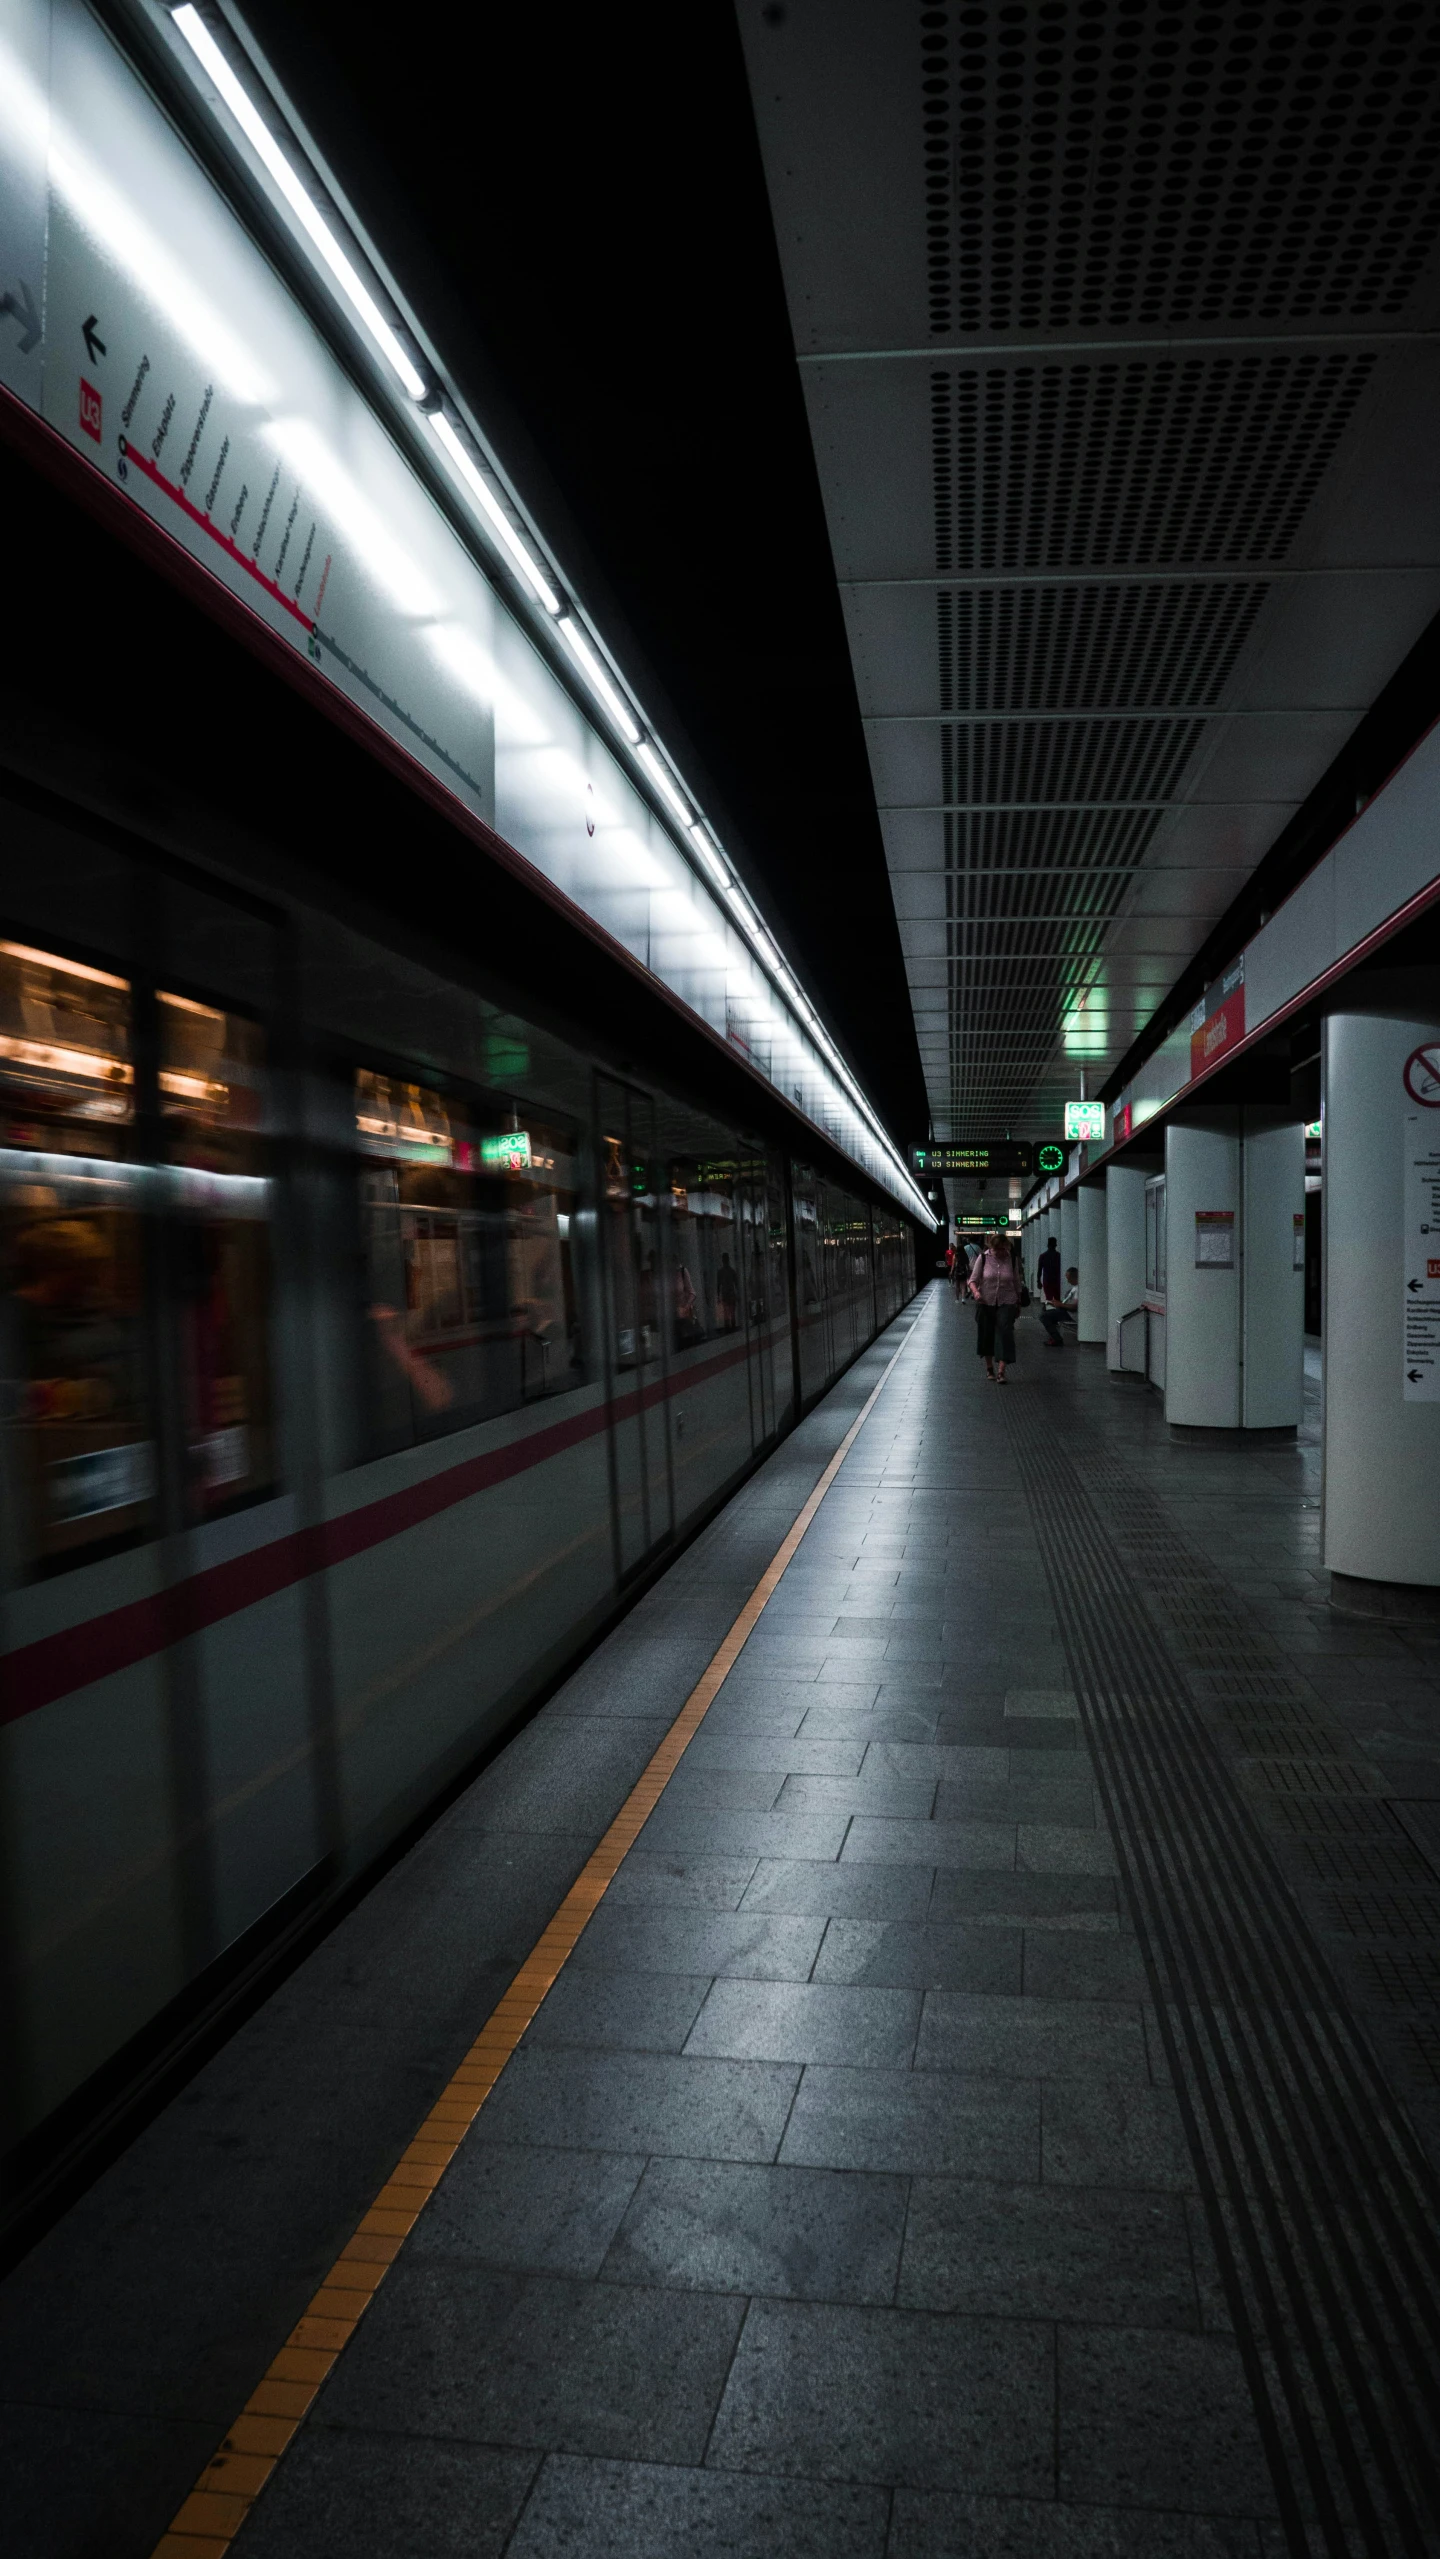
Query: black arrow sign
[(93, 346), (1412, 1285), (21, 306), (1414, 1375)]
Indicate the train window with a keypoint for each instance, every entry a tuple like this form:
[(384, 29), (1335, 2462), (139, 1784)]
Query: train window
[(707, 1254), (470, 1293), (212, 1115), (79, 1451)]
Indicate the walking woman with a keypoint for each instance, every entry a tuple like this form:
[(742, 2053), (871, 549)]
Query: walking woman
[(995, 1287)]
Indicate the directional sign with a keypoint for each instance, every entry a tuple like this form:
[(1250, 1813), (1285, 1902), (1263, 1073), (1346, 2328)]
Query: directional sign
[(988, 1155), (1420, 1351)]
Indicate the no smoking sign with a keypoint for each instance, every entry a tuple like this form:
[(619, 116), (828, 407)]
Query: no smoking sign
[(1422, 1075)]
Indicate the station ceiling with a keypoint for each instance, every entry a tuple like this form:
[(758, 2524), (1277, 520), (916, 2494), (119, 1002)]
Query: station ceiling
[(1117, 326)]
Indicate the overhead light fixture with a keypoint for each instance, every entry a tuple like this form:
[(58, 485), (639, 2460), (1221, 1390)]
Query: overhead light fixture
[(494, 513), (709, 855), (646, 756), (598, 681), (189, 24)]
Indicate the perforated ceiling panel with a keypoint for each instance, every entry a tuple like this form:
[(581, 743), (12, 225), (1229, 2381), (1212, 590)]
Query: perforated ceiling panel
[(1117, 326)]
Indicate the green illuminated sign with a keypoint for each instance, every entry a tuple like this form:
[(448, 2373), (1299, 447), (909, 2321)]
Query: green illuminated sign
[(509, 1153), (1085, 1123), (1049, 1159)]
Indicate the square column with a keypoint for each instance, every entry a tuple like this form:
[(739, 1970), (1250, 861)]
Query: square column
[(1235, 1281), (1125, 1268), (1380, 1109), (1093, 1259)]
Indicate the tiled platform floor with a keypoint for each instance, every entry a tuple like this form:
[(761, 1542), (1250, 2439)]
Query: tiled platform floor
[(837, 2202)]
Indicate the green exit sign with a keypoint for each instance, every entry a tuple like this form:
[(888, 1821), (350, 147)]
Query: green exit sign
[(509, 1153)]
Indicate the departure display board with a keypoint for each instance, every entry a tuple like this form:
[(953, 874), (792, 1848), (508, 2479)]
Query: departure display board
[(986, 1155)]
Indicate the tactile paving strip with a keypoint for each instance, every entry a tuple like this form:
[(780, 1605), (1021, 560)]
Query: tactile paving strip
[(1324, 2211)]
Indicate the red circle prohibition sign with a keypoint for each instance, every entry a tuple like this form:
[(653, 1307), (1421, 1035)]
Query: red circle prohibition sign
[(1422, 1075)]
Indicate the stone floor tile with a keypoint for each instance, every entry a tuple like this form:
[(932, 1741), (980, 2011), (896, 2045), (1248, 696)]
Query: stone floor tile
[(807, 2022), (923, 1958), (987, 1845), (533, 2211), (1054, 1900), (1045, 1848), (753, 1945), (802, 1886), (648, 2510), (915, 2123), (779, 1753), (1048, 2252), (1150, 2419), (693, 2107), (951, 1762), (702, 1832), (681, 1881), (809, 2234), (888, 2396), (1048, 1704), (340, 2492), (1114, 2136), (565, 2367), (700, 1786), (1032, 2038), (1074, 1964), (618, 2012), (873, 1796), (1065, 1803)]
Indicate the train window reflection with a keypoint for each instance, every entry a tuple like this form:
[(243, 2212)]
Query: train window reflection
[(212, 1111), (79, 1461), (708, 1254), (470, 1294)]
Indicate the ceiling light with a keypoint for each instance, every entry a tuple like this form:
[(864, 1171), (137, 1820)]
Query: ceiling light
[(598, 681), (189, 24), (709, 856), (646, 756), (494, 513)]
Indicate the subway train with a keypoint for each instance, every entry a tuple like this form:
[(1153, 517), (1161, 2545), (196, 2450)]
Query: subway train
[(367, 1342)]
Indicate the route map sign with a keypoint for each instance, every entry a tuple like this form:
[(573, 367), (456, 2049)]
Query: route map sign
[(987, 1155)]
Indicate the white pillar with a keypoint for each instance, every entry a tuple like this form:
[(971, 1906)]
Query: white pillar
[(1235, 1288), (1381, 1166), (1272, 1245), (1069, 1231), (1125, 1265), (1092, 1257)]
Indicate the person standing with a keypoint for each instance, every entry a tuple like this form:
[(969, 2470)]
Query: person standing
[(995, 1286)]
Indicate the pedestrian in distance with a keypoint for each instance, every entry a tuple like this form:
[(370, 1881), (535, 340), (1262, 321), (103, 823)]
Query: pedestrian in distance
[(995, 1286), (960, 1269)]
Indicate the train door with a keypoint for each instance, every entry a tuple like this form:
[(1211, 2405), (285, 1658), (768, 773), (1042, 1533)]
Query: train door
[(634, 1285)]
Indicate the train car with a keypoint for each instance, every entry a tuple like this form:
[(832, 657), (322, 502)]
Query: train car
[(425, 1189), (367, 1342)]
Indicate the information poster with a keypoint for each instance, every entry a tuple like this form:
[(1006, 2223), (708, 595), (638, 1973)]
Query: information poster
[(1214, 1239), (1421, 1321)]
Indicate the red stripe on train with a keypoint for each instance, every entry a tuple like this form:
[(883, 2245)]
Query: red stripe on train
[(36, 1674)]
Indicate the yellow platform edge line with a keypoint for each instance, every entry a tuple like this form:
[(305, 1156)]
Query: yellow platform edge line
[(240, 2470)]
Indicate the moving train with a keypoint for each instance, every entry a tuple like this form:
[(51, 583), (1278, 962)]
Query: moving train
[(367, 1341)]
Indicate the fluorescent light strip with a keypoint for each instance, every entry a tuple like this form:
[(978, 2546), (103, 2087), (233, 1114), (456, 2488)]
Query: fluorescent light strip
[(189, 24), (646, 756), (495, 516), (598, 681)]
